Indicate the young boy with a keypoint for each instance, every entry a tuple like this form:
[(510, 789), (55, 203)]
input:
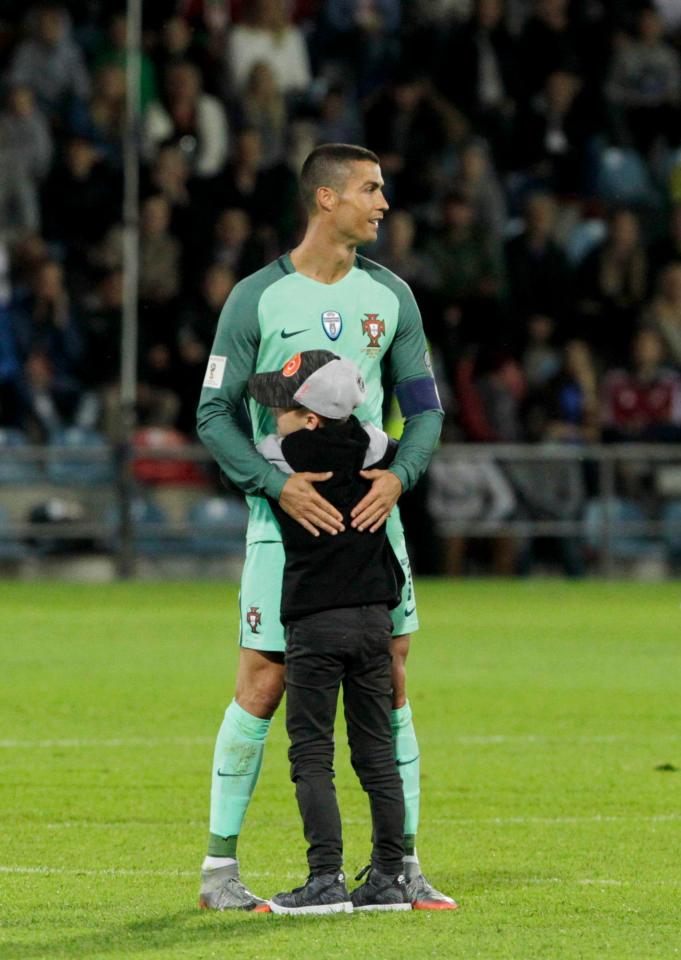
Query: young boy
[(336, 596)]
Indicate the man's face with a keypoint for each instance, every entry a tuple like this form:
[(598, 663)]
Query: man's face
[(360, 203)]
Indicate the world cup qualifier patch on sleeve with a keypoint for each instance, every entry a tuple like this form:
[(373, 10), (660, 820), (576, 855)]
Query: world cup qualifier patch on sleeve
[(215, 371)]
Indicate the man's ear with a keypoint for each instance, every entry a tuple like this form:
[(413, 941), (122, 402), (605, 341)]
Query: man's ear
[(312, 421), (327, 198)]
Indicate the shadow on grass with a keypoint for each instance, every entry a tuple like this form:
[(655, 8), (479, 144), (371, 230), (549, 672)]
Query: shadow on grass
[(189, 927)]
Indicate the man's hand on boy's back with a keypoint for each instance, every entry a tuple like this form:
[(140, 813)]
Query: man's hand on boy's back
[(374, 508), (300, 500)]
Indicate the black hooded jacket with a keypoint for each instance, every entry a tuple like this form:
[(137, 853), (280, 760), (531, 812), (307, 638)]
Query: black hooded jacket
[(351, 568)]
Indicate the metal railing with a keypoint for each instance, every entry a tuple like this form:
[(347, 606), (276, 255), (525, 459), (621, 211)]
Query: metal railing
[(604, 460)]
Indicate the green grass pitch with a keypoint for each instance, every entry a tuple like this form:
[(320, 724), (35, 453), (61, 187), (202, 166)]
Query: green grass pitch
[(549, 720)]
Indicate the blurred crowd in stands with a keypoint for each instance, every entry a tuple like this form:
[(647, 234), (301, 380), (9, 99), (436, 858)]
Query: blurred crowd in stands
[(532, 157)]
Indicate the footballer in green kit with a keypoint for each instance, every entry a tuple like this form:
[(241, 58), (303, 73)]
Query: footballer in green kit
[(323, 295)]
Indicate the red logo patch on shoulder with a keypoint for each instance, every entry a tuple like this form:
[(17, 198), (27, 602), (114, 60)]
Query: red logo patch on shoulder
[(292, 366)]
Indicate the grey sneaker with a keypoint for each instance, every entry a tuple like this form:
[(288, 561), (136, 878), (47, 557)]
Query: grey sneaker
[(423, 895), (324, 893), (221, 889), (380, 891)]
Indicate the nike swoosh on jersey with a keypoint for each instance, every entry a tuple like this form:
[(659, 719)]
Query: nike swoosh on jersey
[(408, 613), (293, 333)]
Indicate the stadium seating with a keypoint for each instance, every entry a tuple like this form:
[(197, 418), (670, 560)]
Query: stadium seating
[(10, 548), (13, 470), (155, 470), (79, 469), (624, 545), (671, 525), (148, 522), (218, 526)]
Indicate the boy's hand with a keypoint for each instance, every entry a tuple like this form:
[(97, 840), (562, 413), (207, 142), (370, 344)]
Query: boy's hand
[(302, 502), (373, 509)]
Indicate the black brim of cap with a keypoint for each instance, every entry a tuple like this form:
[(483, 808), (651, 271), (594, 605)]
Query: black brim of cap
[(272, 390)]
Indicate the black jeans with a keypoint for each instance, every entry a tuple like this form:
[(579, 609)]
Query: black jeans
[(348, 646)]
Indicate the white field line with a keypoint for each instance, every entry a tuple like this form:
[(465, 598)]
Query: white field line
[(106, 742), (122, 872), (593, 818), (451, 821), (169, 874), (466, 740)]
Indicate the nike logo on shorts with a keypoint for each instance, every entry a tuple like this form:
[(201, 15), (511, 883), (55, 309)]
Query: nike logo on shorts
[(408, 613), (293, 333)]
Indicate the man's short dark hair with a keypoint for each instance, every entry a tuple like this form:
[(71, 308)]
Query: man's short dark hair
[(328, 166)]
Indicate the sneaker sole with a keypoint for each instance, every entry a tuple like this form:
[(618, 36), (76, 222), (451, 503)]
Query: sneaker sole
[(386, 906), (256, 908), (345, 907), (433, 905)]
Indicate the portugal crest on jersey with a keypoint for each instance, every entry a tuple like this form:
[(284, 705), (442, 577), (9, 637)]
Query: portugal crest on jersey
[(374, 328), (332, 323), (253, 618)]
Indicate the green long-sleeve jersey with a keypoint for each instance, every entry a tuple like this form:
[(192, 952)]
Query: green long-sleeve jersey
[(370, 316)]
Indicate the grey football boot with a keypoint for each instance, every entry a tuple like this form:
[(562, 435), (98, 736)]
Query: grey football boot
[(423, 894), (221, 889)]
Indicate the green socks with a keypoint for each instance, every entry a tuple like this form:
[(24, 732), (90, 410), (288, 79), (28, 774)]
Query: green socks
[(236, 766), (407, 756)]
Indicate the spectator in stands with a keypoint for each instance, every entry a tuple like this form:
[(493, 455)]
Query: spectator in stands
[(644, 86), (52, 348), (101, 326), (478, 74), (195, 337), (81, 198), (470, 273), (263, 108), (234, 244), (477, 179), (668, 247), (159, 253), (339, 119), (398, 254), (190, 118), (643, 402), (490, 390), (176, 45), (268, 36), (19, 208), (113, 50), (407, 130), (551, 134), (567, 407), (268, 194), (24, 126), (541, 358), (101, 121), (612, 284), (538, 273), (360, 40), (664, 313), (548, 43), (49, 61), (12, 398)]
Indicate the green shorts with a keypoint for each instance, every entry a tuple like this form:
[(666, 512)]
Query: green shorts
[(260, 594)]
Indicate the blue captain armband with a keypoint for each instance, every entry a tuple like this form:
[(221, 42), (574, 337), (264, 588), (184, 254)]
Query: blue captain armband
[(417, 396)]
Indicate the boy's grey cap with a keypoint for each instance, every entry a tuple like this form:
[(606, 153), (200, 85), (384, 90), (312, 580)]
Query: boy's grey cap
[(319, 380)]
